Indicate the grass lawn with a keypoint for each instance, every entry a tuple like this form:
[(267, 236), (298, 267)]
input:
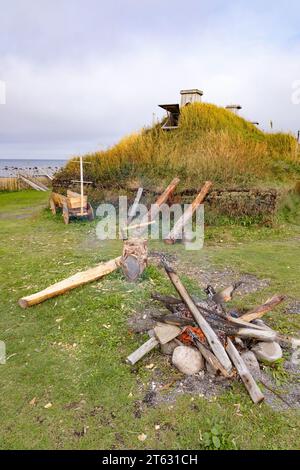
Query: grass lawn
[(70, 350)]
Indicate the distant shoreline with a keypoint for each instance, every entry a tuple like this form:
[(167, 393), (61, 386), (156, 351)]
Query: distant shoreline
[(10, 168)]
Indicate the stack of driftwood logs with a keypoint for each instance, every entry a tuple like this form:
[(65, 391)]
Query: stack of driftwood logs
[(203, 334)]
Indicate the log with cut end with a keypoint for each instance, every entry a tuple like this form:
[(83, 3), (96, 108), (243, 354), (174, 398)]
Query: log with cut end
[(259, 311), (167, 193), (249, 382), (176, 232), (263, 333), (209, 333), (135, 257), (142, 351), (78, 279)]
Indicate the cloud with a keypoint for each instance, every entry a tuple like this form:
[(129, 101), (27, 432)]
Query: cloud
[(93, 90)]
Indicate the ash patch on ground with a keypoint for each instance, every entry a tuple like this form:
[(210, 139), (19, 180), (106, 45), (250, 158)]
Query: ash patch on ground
[(293, 307), (164, 389), (202, 385), (167, 384), (156, 256), (220, 279)]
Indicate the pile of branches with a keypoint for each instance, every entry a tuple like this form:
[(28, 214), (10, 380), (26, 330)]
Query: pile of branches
[(214, 331)]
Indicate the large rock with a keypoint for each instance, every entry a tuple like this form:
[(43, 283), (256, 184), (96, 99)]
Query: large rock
[(188, 360), (267, 352), (251, 362)]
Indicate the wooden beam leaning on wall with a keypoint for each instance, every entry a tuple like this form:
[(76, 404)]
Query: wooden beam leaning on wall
[(176, 232), (153, 212)]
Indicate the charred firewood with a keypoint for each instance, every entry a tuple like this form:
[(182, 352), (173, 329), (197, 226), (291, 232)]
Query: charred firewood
[(175, 320), (210, 312)]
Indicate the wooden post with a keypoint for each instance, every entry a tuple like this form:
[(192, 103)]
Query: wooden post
[(174, 234), (81, 186), (249, 382), (35, 185), (72, 282), (165, 333), (209, 333)]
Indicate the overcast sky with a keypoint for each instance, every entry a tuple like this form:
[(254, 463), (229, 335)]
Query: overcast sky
[(80, 74)]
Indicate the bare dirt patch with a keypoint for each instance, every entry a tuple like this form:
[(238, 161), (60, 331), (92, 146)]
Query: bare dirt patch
[(293, 307), (165, 389), (225, 277)]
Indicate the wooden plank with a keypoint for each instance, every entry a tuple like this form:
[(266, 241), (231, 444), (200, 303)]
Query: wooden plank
[(249, 382), (72, 193), (243, 323), (142, 351), (75, 202), (44, 172), (39, 183), (78, 279), (165, 333), (32, 184)]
